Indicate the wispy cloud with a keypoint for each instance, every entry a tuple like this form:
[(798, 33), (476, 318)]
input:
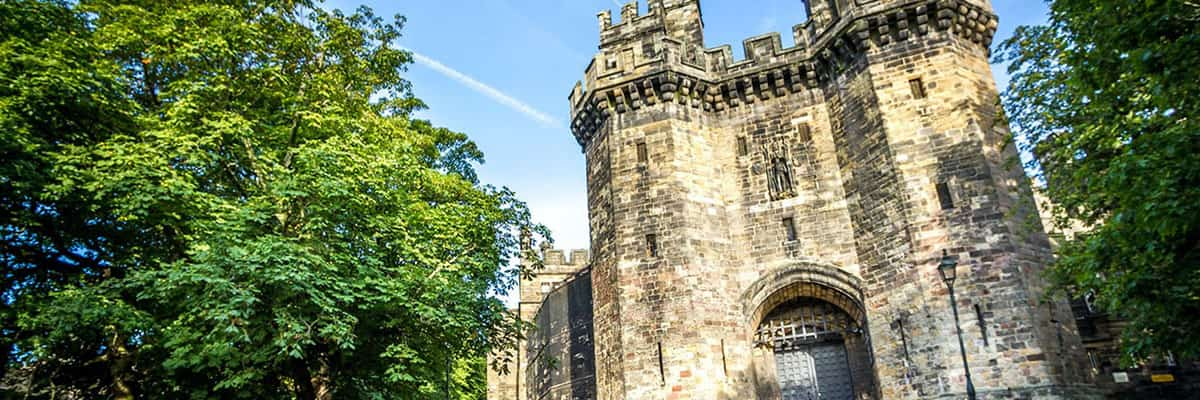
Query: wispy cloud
[(538, 31), (490, 92), (768, 24)]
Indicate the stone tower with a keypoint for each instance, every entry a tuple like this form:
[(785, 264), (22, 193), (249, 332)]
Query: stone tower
[(763, 225)]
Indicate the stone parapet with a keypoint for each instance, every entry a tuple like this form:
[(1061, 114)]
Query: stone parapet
[(629, 74), (558, 267)]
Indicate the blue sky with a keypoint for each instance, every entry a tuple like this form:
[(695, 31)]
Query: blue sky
[(500, 71)]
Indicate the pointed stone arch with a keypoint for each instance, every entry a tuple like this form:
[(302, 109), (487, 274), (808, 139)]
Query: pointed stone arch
[(806, 282), (827, 282)]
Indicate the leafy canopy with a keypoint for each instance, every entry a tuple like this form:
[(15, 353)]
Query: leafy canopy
[(232, 199), (1107, 99)]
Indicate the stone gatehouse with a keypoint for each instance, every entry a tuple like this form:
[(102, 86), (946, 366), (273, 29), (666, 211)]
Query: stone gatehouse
[(771, 228)]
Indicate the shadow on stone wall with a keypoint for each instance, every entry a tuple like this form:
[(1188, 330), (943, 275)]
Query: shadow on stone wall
[(562, 353)]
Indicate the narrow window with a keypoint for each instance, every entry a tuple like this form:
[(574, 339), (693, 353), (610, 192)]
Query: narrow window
[(648, 49), (642, 156), (917, 87), (899, 325), (652, 245), (662, 371), (982, 324), (803, 133), (943, 193), (789, 225), (743, 147), (724, 364)]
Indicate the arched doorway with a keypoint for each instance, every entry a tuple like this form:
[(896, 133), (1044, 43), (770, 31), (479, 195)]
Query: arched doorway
[(809, 340), (809, 334)]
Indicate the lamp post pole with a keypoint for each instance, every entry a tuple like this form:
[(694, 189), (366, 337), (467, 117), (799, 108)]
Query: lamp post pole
[(962, 348), (948, 269)]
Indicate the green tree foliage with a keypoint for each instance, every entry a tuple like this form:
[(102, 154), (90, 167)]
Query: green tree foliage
[(231, 199), (469, 379), (1106, 97)]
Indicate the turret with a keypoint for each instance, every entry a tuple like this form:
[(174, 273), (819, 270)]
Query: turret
[(823, 13), (677, 19), (682, 20)]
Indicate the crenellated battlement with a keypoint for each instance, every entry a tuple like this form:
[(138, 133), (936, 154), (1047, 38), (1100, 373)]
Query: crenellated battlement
[(572, 258), (558, 267), (631, 25), (643, 62), (677, 19)]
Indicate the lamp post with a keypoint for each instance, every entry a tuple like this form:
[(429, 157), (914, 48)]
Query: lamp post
[(948, 267)]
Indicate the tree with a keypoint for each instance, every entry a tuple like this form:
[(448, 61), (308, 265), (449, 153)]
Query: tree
[(232, 199), (1105, 97)]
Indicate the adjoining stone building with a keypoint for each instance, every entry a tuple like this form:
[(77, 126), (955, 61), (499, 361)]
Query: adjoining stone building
[(1161, 377), (771, 228), (559, 291)]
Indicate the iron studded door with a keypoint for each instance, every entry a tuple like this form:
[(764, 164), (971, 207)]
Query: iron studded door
[(814, 372)]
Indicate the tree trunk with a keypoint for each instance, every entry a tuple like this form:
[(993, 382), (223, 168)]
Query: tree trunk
[(119, 362), (313, 379), (302, 381), (321, 380)]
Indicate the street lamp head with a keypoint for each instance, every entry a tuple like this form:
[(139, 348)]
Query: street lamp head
[(948, 268)]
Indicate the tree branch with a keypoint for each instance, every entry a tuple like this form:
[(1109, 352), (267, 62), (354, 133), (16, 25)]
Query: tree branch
[(295, 133), (451, 261), (228, 168)]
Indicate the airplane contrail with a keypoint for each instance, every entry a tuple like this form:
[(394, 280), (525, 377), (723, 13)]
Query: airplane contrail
[(490, 92)]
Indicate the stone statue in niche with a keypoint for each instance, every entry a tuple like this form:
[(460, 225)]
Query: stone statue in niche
[(781, 177), (779, 171)]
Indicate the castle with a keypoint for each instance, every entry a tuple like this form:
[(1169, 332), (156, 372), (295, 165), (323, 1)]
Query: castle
[(771, 228)]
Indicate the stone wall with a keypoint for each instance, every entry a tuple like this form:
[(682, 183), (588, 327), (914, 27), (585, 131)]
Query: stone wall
[(560, 348), (503, 383), (948, 138), (559, 268)]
